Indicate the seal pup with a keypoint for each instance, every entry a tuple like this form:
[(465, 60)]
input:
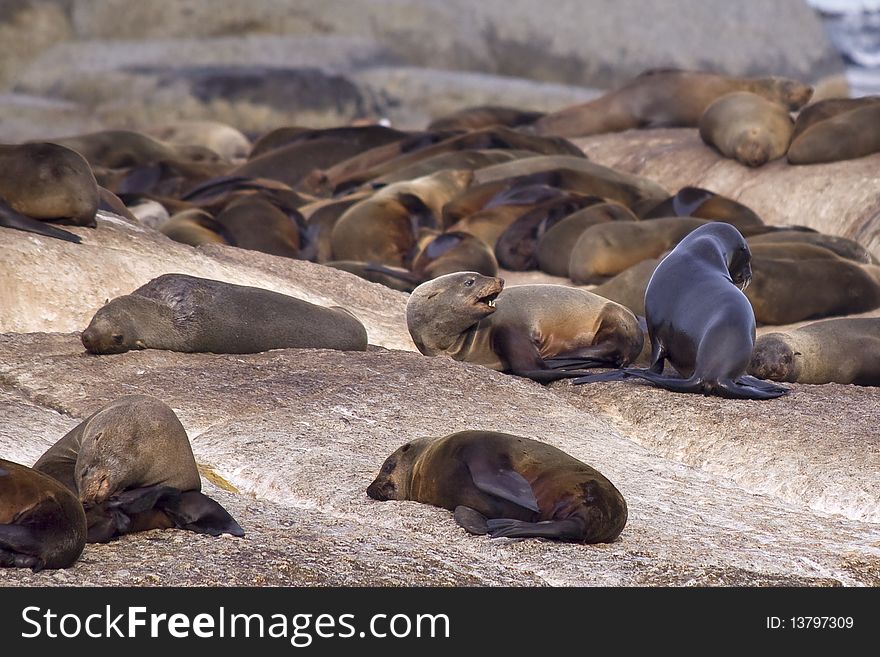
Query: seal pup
[(45, 182), (747, 128), (520, 330), (185, 313), (664, 98), (42, 524), (845, 350), (131, 465), (699, 319), (505, 486)]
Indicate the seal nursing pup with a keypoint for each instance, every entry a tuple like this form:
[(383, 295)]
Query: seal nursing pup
[(699, 319), (506, 486)]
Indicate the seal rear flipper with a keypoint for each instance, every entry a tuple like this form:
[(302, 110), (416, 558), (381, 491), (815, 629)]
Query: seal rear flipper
[(197, 512), (471, 520), (18, 547), (570, 529), (733, 390), (613, 375), (499, 480), (766, 386), (9, 218), (564, 362)]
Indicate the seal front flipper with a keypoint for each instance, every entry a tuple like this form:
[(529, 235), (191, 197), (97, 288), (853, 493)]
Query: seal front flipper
[(18, 547), (9, 218), (498, 479), (766, 386), (733, 390), (570, 529), (613, 375), (197, 512), (471, 520)]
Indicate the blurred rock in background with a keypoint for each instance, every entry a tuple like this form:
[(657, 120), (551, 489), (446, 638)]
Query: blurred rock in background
[(75, 65)]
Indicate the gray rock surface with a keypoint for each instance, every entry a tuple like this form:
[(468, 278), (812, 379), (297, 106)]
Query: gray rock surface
[(841, 198)]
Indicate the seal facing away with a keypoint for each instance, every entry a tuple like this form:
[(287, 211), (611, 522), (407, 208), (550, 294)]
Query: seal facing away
[(469, 317), (699, 319), (42, 524), (132, 467), (524, 488), (184, 313), (845, 350)]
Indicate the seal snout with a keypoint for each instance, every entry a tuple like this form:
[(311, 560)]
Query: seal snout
[(381, 490), (93, 489), (488, 293)]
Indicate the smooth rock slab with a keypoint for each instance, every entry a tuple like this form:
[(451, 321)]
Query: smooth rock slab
[(308, 429)]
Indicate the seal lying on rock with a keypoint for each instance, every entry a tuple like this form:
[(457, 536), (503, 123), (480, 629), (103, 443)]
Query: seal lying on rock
[(42, 524), (468, 317), (699, 319), (189, 314), (132, 467), (524, 488)]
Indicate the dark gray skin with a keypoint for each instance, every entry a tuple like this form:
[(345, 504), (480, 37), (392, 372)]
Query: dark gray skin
[(42, 524), (505, 486), (184, 313), (845, 350), (542, 332), (131, 465), (699, 319)]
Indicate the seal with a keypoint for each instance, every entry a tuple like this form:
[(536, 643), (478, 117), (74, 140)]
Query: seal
[(131, 465), (665, 98), (230, 144), (784, 291), (606, 249), (123, 149), (747, 128), (700, 321), (484, 116), (184, 313), (555, 245), (521, 330), (628, 287), (42, 524), (845, 350), (364, 137), (194, 227), (842, 246), (254, 223), (46, 182), (384, 227), (704, 204), (846, 136), (825, 109), (505, 486)]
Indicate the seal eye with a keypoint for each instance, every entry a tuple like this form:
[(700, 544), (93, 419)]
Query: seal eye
[(470, 282), (117, 338), (405, 448)]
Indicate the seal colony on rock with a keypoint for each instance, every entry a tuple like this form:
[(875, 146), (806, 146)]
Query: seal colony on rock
[(185, 313), (699, 319), (505, 486), (131, 465), (42, 524), (520, 330)]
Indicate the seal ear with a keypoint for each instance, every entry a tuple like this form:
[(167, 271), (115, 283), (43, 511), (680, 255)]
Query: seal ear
[(499, 480), (197, 512)]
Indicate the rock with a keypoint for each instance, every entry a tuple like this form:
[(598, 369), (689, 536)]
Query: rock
[(841, 198), (117, 257), (300, 433), (28, 27)]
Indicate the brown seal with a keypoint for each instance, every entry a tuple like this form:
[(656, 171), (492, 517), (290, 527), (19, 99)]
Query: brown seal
[(122, 149), (364, 137), (555, 245), (784, 291), (253, 222), (825, 109), (484, 116), (45, 182), (189, 314), (747, 128), (845, 350), (520, 330), (384, 227), (665, 98), (699, 320), (505, 486), (221, 138), (704, 204), (846, 136), (131, 465), (628, 287), (292, 163), (194, 227), (842, 246), (42, 524), (606, 249)]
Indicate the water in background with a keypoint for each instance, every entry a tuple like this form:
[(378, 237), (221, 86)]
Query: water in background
[(854, 28)]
